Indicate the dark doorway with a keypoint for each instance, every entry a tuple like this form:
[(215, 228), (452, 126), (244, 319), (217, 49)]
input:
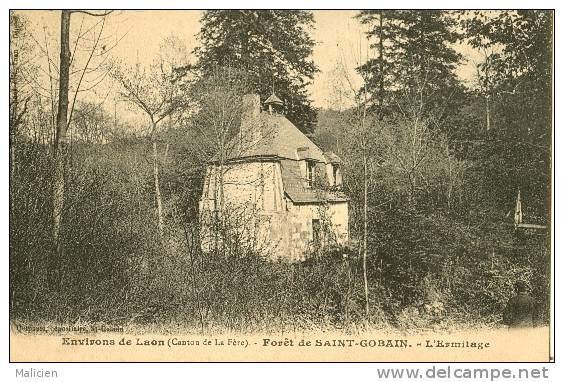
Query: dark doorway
[(316, 232)]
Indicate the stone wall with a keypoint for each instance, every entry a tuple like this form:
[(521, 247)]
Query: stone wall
[(263, 216), (333, 218)]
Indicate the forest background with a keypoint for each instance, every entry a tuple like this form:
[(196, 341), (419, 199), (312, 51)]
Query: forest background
[(107, 158)]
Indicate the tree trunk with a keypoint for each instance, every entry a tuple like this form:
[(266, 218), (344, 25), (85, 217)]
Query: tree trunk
[(488, 112), (12, 169), (158, 199), (221, 184), (13, 127), (215, 217), (450, 180), (61, 135), (381, 64), (487, 86), (365, 238), (243, 33), (165, 158)]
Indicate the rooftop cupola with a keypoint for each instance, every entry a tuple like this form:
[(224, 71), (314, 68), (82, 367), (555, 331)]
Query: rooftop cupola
[(274, 104)]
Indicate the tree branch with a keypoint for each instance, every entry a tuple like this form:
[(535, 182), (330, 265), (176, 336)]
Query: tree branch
[(106, 13)]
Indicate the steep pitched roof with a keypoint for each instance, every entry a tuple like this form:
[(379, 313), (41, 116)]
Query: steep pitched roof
[(278, 138)]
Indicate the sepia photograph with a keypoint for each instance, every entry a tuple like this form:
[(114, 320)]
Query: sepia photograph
[(265, 185)]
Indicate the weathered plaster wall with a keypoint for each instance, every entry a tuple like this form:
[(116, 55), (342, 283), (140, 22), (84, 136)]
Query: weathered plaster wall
[(254, 197), (254, 202), (339, 216), (255, 185), (333, 218)]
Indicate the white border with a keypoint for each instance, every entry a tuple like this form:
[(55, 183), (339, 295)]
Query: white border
[(250, 372)]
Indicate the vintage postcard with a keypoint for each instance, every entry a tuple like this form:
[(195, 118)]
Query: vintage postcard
[(281, 185)]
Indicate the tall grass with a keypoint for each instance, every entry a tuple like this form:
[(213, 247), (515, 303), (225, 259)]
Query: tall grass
[(424, 271)]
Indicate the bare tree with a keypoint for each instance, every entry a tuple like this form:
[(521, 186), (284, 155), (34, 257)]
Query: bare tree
[(156, 91), (365, 131), (90, 123), (217, 101), (340, 95), (362, 135), (21, 57), (484, 81), (64, 115)]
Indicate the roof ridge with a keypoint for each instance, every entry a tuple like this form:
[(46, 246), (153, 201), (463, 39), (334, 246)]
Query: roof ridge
[(278, 137)]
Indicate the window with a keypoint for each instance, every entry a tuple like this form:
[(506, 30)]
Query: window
[(335, 172), (310, 172)]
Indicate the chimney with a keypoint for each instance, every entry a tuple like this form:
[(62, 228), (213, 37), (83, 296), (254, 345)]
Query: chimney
[(250, 129), (251, 107)]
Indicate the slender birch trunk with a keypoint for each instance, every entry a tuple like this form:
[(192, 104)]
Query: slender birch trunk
[(488, 123), (364, 142), (365, 238), (158, 199), (487, 86)]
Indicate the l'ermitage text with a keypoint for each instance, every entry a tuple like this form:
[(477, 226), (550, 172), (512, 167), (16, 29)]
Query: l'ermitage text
[(286, 342), (386, 343)]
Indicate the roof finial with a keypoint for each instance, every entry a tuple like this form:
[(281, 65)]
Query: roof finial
[(274, 104)]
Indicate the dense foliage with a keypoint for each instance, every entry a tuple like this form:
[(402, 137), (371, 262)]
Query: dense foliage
[(273, 48), (440, 188), (516, 153), (414, 58)]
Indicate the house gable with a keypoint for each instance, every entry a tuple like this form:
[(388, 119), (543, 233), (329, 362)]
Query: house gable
[(266, 181)]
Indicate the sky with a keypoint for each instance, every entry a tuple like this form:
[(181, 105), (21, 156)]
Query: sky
[(340, 41)]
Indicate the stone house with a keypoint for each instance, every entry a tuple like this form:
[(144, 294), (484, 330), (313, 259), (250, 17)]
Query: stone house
[(278, 190)]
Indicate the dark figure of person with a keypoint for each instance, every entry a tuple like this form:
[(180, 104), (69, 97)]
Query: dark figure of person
[(520, 311)]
